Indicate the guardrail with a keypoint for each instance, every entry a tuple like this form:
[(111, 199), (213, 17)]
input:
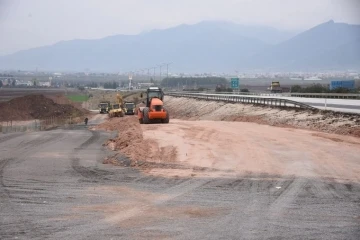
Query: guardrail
[(277, 102), (303, 95), (327, 95)]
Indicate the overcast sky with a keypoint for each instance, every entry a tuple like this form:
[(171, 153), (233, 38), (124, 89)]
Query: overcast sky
[(31, 23)]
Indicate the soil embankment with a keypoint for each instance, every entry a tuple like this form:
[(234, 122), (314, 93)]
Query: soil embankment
[(36, 107), (131, 142), (329, 122)]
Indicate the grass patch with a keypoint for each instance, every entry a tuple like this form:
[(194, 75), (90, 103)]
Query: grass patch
[(78, 98)]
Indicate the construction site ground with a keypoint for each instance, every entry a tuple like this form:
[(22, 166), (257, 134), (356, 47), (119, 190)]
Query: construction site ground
[(216, 171), (38, 106)]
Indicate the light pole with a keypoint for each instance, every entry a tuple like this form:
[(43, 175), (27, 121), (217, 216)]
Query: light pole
[(167, 73), (154, 74), (148, 74), (160, 72)]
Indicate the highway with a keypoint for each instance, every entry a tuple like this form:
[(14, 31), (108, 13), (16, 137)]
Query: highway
[(339, 105), (342, 105)]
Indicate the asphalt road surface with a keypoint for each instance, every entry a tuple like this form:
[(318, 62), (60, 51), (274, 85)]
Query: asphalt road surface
[(53, 185), (344, 105)]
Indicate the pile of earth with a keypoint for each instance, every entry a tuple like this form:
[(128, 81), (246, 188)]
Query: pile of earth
[(131, 143), (35, 107), (61, 99)]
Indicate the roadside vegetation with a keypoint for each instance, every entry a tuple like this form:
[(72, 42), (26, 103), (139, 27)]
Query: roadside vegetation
[(319, 88), (192, 81), (78, 98)]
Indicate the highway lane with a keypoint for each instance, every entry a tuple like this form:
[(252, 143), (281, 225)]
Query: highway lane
[(348, 105), (342, 105)]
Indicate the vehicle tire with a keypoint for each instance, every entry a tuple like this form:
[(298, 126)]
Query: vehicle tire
[(122, 114), (141, 121), (146, 116), (167, 119)]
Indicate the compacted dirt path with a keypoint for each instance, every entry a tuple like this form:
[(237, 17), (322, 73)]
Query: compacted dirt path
[(212, 180), (242, 147)]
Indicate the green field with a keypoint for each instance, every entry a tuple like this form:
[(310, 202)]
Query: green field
[(78, 98)]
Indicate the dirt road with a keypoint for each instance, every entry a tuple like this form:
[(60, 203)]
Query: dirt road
[(242, 147), (237, 181)]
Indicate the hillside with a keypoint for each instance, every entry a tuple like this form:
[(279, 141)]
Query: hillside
[(327, 46), (206, 46)]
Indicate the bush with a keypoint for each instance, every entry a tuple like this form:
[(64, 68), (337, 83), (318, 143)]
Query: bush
[(318, 88)]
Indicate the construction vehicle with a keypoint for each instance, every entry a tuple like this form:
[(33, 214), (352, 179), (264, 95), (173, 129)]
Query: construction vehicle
[(117, 108), (129, 108), (104, 107), (154, 110), (275, 87)]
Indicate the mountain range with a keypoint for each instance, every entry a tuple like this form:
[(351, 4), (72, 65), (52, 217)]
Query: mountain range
[(203, 47)]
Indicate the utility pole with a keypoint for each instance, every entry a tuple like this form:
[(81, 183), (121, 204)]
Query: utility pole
[(160, 71), (154, 74), (167, 73)]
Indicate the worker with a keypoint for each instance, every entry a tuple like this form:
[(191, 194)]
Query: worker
[(86, 121)]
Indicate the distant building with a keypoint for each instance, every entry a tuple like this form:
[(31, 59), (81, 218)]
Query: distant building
[(348, 84), (45, 84), (142, 85), (313, 79)]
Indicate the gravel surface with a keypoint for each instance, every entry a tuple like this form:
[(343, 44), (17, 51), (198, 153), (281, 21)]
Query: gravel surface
[(261, 182)]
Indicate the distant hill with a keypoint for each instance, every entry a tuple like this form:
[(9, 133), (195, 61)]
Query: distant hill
[(327, 46), (206, 46)]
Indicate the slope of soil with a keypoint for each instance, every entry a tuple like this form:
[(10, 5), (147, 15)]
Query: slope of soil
[(131, 143), (62, 99), (35, 107), (330, 122)]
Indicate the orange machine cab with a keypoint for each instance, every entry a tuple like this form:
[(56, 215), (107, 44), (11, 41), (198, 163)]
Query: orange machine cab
[(154, 109)]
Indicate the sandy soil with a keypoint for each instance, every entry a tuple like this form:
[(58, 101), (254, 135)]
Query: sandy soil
[(190, 109), (247, 140), (130, 141), (218, 148), (240, 148)]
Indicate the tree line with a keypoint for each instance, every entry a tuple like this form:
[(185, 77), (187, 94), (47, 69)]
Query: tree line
[(191, 81), (319, 88)]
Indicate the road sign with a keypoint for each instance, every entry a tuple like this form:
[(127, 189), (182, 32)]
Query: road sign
[(235, 83)]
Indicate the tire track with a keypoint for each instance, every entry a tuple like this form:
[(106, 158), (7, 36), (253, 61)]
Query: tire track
[(4, 194), (7, 138), (9, 205), (93, 175)]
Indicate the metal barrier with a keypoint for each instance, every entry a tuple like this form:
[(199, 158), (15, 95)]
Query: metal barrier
[(327, 95), (302, 95), (277, 102)]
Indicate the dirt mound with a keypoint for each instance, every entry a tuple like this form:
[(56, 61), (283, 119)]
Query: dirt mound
[(131, 143), (35, 107), (62, 99), (330, 122)]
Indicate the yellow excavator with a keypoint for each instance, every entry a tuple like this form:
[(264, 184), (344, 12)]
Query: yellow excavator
[(117, 108)]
